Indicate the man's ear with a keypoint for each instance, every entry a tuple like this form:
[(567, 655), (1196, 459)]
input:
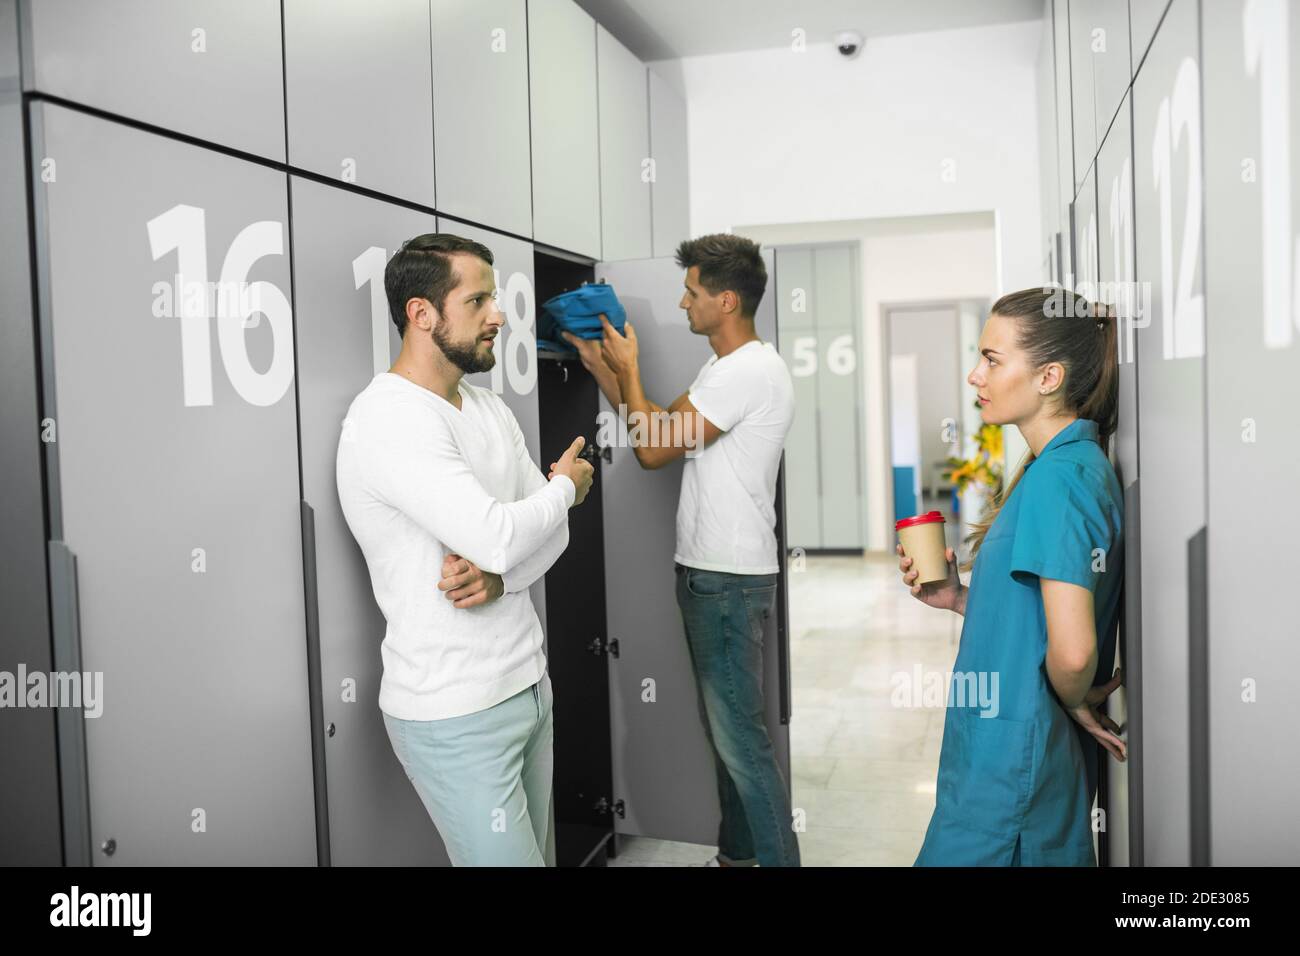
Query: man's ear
[(420, 309)]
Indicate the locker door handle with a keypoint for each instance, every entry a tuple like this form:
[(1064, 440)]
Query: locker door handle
[(1198, 696), (65, 604), (315, 695)]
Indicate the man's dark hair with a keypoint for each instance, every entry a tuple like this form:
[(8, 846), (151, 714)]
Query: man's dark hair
[(727, 262), (422, 269)]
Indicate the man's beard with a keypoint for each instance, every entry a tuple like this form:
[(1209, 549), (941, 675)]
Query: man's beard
[(464, 357)]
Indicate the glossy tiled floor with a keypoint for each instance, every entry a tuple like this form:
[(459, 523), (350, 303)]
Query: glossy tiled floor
[(863, 769)]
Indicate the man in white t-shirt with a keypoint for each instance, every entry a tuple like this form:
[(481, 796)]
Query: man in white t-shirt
[(455, 522), (730, 426)]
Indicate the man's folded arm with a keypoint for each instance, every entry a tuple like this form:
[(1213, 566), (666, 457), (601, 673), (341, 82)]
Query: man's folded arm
[(420, 471)]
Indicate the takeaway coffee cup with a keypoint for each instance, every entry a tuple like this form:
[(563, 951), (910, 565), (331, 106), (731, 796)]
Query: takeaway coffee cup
[(922, 539)]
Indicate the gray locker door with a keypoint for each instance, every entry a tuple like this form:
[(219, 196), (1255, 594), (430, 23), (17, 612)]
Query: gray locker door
[(514, 377), (1252, 92), (1099, 45), (1144, 16), (1087, 284), (1171, 380), (341, 243), (624, 151), (1065, 133), (176, 489), (1082, 93), (358, 95), (1115, 239), (482, 46), (1115, 261), (670, 196), (566, 152), (1085, 238), (838, 396), (662, 765), (794, 303), (30, 833), (1105, 25), (208, 68)]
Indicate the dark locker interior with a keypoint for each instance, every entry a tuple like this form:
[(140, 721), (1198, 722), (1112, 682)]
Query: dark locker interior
[(577, 645)]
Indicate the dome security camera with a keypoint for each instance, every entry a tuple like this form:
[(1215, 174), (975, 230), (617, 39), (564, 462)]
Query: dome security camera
[(849, 43)]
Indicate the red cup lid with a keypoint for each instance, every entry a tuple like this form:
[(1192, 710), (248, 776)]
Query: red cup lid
[(927, 518)]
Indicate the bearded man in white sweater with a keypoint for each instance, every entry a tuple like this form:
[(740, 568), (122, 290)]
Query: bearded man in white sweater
[(455, 522)]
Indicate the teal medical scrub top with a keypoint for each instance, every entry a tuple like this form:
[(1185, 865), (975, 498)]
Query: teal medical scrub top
[(1015, 787)]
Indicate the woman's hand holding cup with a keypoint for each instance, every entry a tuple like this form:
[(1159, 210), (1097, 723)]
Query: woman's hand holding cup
[(948, 594)]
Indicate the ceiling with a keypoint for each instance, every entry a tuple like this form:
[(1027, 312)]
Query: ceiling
[(668, 29)]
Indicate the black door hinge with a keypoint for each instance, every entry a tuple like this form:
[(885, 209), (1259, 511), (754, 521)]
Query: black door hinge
[(598, 647)]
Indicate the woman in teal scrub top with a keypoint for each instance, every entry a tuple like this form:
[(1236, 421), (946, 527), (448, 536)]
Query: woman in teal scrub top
[(1017, 768)]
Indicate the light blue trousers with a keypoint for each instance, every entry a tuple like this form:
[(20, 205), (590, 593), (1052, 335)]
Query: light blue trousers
[(485, 778)]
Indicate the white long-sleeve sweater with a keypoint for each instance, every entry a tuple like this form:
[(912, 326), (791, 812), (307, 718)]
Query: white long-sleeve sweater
[(419, 479)]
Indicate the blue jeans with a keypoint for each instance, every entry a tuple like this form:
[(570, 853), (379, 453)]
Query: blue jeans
[(485, 778), (724, 615)]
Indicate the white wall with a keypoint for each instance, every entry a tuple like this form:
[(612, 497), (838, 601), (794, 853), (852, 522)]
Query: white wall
[(779, 137)]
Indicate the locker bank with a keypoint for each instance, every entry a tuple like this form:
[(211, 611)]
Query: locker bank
[(171, 519)]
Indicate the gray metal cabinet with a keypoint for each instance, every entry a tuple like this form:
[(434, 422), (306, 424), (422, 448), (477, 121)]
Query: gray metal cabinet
[(838, 396), (359, 101), (1115, 240), (1112, 67), (662, 765), (1085, 238), (670, 190), (1099, 72), (30, 832), (480, 112), (1065, 135), (1079, 15), (1045, 80), (174, 485), (342, 242), (625, 167), (207, 68), (792, 288), (1252, 228), (1144, 17), (566, 152), (1167, 149), (816, 292)]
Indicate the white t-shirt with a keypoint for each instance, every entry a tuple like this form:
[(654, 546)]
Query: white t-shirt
[(726, 516), (418, 479)]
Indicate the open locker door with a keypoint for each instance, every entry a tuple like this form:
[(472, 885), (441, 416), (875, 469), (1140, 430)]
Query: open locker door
[(663, 770)]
